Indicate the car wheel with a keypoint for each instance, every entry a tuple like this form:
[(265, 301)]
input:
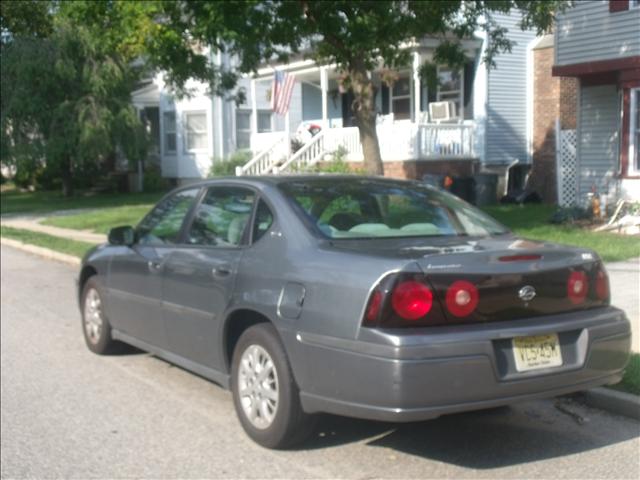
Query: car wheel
[(265, 395), (95, 326)]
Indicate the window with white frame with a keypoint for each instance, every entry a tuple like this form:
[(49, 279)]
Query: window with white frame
[(634, 132), (450, 88), (634, 3), (169, 125), (401, 99), (243, 126), (195, 125)]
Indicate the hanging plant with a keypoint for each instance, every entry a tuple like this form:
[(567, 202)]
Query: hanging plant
[(268, 95), (344, 83), (389, 77)]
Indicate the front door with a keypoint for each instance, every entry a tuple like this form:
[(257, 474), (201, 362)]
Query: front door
[(199, 276), (135, 275)]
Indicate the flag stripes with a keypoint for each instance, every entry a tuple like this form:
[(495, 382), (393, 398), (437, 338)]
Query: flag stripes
[(281, 92)]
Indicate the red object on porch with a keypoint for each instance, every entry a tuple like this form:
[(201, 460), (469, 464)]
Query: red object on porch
[(618, 5)]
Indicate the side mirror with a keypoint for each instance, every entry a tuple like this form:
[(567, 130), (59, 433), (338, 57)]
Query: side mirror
[(122, 236)]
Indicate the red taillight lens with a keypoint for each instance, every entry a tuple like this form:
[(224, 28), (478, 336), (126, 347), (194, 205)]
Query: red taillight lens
[(519, 258), (411, 300), (577, 287), (373, 309), (462, 298), (602, 285)]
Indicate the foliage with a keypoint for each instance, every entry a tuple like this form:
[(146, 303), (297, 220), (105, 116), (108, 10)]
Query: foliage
[(338, 164), (65, 101), (570, 215), (153, 181), (225, 168), (631, 379), (59, 244)]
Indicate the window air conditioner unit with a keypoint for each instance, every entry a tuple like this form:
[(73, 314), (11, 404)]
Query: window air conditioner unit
[(441, 111)]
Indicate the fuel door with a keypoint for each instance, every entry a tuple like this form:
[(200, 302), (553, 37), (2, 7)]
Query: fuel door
[(291, 300)]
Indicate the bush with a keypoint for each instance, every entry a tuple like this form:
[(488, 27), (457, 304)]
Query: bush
[(338, 164), (153, 181), (226, 168), (570, 215)]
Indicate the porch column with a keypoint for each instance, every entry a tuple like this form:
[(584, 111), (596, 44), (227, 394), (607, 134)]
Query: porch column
[(416, 87), (324, 84), (254, 112)]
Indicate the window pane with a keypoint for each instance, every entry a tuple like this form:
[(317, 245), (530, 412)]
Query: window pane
[(264, 122), (243, 139), (196, 141), (449, 80), (221, 218), (169, 131), (401, 87), (169, 121), (401, 108), (243, 120), (197, 122), (163, 224), (264, 219)]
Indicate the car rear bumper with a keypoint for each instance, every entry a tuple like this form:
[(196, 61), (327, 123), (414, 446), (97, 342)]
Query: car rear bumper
[(412, 375)]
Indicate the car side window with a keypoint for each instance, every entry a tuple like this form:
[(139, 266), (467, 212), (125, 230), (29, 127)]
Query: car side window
[(163, 224), (263, 220), (222, 216)]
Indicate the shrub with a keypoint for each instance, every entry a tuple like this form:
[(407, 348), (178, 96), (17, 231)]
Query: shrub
[(153, 181), (225, 168), (338, 164), (570, 215)]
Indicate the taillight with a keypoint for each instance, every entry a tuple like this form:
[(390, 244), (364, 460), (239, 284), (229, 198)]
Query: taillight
[(373, 309), (602, 285), (577, 287), (411, 300), (461, 298)]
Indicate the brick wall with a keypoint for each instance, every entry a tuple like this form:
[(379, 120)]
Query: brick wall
[(553, 97)]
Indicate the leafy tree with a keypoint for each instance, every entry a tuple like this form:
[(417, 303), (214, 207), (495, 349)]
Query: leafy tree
[(358, 37), (65, 102)]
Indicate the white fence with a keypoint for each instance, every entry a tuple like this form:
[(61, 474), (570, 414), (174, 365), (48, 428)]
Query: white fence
[(566, 167)]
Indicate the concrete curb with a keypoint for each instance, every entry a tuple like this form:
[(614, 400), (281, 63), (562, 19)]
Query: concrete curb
[(41, 251), (613, 401)]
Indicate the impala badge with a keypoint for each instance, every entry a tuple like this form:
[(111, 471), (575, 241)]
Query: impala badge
[(527, 293)]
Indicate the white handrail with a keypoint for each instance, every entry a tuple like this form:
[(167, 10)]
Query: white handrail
[(263, 162), (307, 155)]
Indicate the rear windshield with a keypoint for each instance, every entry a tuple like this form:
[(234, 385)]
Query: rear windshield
[(369, 208)]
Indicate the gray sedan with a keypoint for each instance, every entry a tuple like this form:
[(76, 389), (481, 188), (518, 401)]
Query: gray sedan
[(365, 297)]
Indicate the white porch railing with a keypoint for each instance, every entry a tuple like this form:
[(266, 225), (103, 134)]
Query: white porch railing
[(307, 156), (266, 160), (398, 141)]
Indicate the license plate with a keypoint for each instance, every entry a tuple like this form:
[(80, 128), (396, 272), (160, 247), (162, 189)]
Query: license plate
[(535, 352)]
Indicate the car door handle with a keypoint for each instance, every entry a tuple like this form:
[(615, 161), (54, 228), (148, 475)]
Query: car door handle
[(154, 267), (221, 271)]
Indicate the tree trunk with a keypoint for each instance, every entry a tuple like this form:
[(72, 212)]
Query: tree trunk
[(365, 112), (67, 179)]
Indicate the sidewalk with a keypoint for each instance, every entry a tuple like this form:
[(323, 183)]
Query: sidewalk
[(33, 224)]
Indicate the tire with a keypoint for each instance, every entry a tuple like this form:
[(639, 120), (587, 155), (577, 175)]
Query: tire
[(95, 326), (274, 401)]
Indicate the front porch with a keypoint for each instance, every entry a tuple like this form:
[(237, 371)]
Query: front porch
[(414, 123)]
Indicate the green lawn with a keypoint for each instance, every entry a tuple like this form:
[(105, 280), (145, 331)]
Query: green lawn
[(63, 245), (14, 201), (102, 220), (631, 381), (531, 221)]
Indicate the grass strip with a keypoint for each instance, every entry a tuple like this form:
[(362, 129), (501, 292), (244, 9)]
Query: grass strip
[(631, 380), (62, 245)]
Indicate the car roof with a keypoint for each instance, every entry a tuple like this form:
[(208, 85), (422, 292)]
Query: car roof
[(275, 180)]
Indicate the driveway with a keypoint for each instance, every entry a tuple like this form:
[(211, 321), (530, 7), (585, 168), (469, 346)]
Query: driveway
[(71, 414)]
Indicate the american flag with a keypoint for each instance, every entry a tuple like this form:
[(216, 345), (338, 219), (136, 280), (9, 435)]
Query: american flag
[(281, 91)]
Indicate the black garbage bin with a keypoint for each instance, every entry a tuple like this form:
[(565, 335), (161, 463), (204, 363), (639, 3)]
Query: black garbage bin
[(486, 189), (463, 187)]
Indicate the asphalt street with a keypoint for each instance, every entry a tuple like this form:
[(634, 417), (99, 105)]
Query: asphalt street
[(67, 413)]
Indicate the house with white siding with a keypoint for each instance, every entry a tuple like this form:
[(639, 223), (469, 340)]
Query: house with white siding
[(477, 119), (598, 42)]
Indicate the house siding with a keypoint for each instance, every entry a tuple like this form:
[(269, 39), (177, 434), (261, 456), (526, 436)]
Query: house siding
[(598, 126), (589, 32), (506, 131)]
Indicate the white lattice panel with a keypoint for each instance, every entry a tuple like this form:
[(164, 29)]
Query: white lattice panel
[(567, 168)]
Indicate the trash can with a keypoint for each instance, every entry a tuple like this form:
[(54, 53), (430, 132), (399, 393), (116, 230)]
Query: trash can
[(486, 189), (463, 187)]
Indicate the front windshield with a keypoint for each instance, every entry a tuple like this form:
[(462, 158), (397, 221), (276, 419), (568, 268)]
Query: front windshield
[(371, 208)]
